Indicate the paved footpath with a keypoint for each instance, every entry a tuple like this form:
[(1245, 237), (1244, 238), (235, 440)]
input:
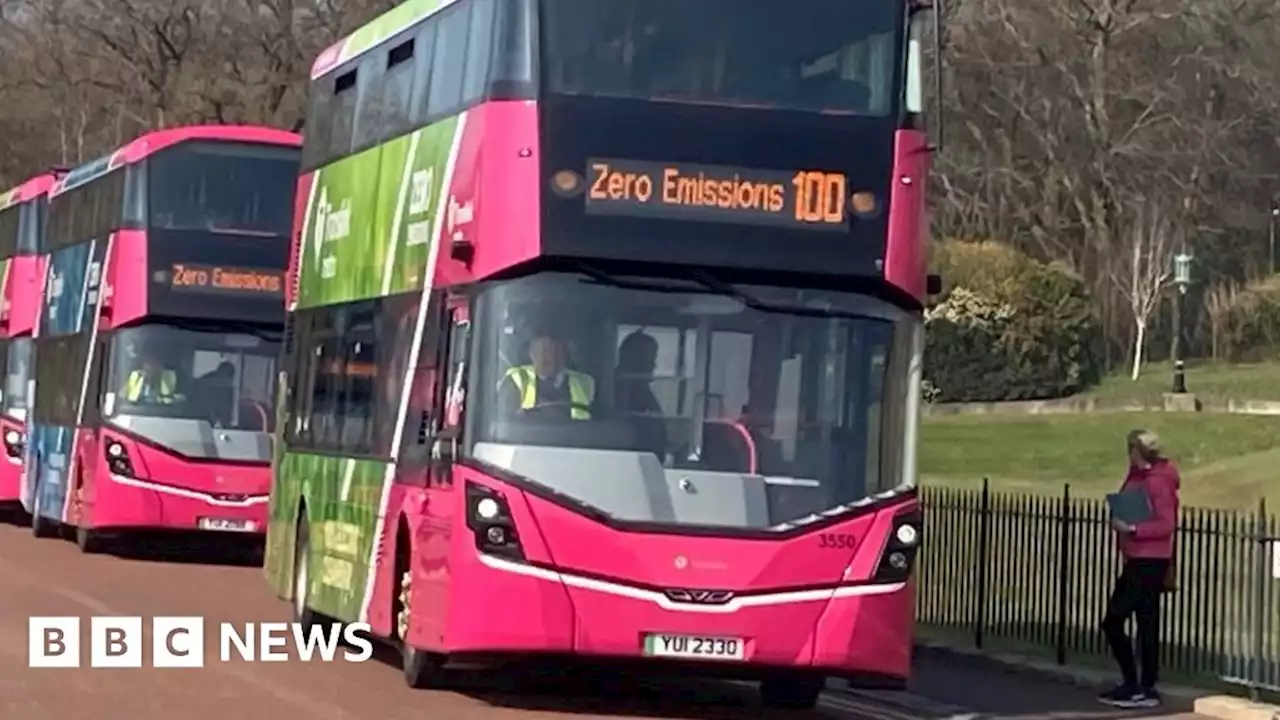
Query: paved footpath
[(950, 687), (51, 577)]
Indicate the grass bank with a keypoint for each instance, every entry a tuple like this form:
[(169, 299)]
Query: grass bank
[(1211, 382), (1227, 461)]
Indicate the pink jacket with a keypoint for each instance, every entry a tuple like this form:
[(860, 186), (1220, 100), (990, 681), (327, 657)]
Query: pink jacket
[(1153, 538)]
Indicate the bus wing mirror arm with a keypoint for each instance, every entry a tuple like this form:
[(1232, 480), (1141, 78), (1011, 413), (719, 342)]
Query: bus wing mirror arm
[(444, 449)]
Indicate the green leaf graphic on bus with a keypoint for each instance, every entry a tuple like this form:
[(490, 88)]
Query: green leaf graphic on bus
[(343, 498), (372, 218)]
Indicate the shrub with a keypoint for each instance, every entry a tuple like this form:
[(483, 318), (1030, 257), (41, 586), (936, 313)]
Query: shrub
[(1008, 327), (1246, 321)]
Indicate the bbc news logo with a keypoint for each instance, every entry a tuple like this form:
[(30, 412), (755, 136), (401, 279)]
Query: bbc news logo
[(179, 642)]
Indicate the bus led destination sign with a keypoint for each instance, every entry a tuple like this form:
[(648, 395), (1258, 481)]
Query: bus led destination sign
[(717, 193), (186, 277)]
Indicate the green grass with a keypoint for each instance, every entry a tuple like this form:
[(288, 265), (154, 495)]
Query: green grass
[(1209, 381), (1227, 461)]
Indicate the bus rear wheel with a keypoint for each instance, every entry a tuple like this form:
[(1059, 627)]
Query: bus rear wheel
[(791, 693), (301, 576), (42, 527)]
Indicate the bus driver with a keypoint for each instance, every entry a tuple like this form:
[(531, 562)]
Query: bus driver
[(150, 382), (546, 384)]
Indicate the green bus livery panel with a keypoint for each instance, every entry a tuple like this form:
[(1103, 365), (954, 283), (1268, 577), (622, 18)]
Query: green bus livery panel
[(371, 218)]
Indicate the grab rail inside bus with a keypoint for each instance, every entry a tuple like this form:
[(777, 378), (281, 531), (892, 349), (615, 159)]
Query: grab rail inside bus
[(752, 455), (262, 412)]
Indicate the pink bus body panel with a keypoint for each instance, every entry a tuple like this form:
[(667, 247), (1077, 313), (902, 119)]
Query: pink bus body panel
[(23, 293), (587, 588), (192, 489), (905, 254), (172, 492), (24, 289)]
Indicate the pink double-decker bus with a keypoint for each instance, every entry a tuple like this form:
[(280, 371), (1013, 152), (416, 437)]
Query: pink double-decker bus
[(158, 338), (604, 338), (22, 213)]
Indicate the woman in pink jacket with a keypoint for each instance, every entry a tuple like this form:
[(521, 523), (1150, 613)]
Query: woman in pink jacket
[(1148, 551)]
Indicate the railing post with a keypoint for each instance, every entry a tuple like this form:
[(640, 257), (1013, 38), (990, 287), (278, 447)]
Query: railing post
[(1261, 571), (984, 547), (1064, 571)]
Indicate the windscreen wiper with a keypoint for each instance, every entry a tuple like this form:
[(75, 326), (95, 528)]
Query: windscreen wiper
[(723, 288), (713, 286), (650, 285)]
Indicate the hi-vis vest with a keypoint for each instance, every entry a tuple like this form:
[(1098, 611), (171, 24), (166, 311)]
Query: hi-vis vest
[(164, 391), (582, 390)]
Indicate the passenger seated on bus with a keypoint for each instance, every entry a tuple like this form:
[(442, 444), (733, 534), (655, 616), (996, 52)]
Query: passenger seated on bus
[(637, 358), (547, 385), (218, 390), (151, 382)]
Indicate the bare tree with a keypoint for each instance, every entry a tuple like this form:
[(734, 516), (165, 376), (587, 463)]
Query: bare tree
[(1142, 271)]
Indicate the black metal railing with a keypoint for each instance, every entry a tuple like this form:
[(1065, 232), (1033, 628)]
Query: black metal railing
[(1037, 570)]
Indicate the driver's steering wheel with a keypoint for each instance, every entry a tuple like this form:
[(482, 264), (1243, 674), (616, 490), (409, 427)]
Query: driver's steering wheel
[(538, 407)]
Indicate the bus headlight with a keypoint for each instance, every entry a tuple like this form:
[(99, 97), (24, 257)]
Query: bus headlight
[(13, 443), (899, 556), (489, 518), (907, 535), (118, 459), (488, 509)]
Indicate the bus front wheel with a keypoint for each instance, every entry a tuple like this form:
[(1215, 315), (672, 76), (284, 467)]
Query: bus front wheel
[(90, 542), (422, 670), (791, 693)]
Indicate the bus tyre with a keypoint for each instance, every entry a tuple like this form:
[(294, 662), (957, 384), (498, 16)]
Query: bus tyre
[(422, 670), (791, 694), (89, 542), (301, 577), (42, 527)]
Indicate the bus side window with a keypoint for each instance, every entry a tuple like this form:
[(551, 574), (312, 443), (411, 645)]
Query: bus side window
[(455, 398), (94, 399)]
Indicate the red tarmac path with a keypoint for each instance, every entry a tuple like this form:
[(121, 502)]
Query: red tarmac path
[(51, 577)]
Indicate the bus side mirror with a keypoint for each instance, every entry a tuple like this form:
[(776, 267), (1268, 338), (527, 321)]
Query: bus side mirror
[(444, 451)]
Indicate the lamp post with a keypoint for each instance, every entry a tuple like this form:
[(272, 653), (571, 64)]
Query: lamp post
[(1271, 245), (1182, 279)]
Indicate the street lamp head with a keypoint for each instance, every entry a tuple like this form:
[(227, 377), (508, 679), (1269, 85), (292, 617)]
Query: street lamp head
[(1182, 270)]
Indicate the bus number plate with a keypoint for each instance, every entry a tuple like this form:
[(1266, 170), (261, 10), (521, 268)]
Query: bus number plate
[(227, 525), (694, 647)]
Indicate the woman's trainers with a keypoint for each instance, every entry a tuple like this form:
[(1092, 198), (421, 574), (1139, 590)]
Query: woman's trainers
[(1126, 696)]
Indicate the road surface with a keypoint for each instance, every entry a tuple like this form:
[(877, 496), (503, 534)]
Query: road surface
[(51, 577)]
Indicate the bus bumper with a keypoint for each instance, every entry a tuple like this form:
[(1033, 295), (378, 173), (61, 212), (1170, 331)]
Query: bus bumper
[(122, 503), (10, 480), (861, 632)]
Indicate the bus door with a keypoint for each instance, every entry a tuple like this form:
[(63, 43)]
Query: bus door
[(439, 396)]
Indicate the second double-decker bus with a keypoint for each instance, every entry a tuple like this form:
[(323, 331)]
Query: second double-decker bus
[(159, 335), (605, 338), (22, 212)]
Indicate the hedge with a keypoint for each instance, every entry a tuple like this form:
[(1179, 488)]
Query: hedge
[(1008, 327)]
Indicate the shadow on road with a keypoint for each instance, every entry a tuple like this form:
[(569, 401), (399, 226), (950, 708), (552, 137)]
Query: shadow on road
[(594, 692), (994, 691), (202, 549), (14, 516)]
